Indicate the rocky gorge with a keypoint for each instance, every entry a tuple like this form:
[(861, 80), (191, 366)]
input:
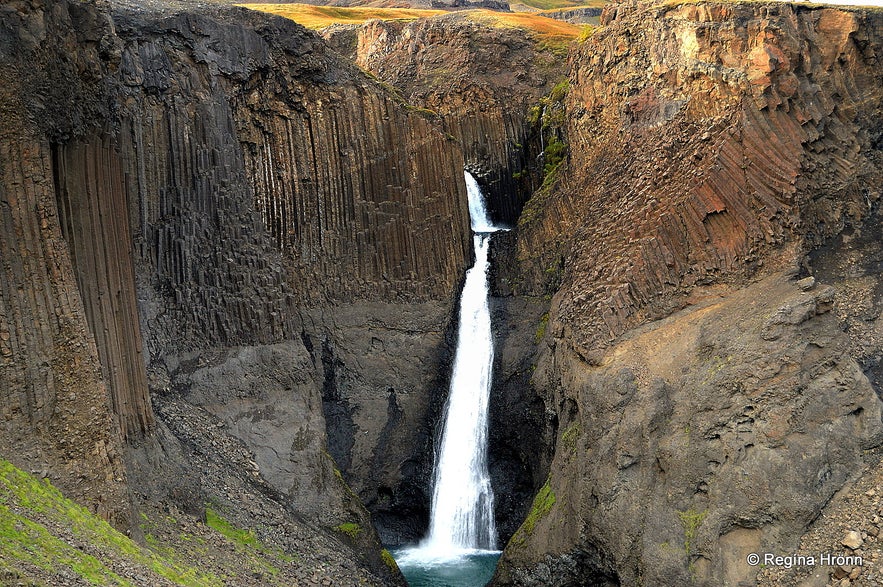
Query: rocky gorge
[(713, 377), (231, 251)]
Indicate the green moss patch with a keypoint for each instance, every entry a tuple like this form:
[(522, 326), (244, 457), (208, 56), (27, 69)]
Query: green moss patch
[(541, 327), (350, 529), (242, 537), (542, 505), (41, 528), (389, 561), (691, 520), (570, 437)]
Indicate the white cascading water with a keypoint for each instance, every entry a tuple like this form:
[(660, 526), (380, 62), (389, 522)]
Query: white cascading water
[(477, 210), (462, 511), (462, 514)]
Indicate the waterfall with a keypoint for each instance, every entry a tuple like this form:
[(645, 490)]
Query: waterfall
[(477, 210), (462, 509), (462, 513), (459, 550)]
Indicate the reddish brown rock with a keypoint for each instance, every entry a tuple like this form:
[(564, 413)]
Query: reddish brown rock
[(744, 139), (708, 407)]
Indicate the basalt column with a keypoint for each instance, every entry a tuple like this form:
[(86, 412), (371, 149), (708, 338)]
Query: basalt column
[(94, 216), (56, 417)]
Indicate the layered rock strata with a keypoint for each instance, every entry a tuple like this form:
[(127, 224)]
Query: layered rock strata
[(747, 132), (708, 404)]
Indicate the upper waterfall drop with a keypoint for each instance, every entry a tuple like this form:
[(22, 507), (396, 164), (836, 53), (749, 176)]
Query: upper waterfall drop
[(477, 209)]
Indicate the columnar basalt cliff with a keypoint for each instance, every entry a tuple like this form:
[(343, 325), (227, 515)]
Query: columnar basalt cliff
[(228, 262), (478, 78), (709, 404), (353, 199), (479, 82), (774, 119), (184, 196), (56, 396)]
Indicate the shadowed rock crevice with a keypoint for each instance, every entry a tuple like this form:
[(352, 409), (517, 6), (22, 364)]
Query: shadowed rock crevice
[(338, 412), (522, 430)]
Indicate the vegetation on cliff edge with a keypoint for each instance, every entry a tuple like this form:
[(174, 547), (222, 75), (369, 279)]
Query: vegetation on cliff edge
[(47, 539), (556, 4), (542, 505), (557, 33)]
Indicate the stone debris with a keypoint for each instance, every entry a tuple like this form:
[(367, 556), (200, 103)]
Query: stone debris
[(807, 283), (849, 526), (852, 540)]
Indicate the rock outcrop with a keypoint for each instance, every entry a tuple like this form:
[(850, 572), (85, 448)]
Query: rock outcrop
[(708, 403), (576, 15), (479, 79), (182, 192), (771, 116)]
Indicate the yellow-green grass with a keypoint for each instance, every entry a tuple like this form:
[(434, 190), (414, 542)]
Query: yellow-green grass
[(29, 511), (560, 4), (317, 17), (547, 28), (45, 535)]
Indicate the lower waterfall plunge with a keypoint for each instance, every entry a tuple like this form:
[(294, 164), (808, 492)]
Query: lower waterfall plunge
[(459, 550)]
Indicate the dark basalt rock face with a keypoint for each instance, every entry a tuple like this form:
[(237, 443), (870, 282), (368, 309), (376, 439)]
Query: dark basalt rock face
[(476, 80), (186, 200), (386, 368)]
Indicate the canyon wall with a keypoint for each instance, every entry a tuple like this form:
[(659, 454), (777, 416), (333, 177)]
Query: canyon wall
[(710, 358), (335, 196), (196, 208), (59, 400), (230, 262), (480, 80)]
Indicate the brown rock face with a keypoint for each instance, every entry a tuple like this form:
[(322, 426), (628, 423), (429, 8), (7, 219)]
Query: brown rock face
[(94, 215), (697, 152), (708, 407), (57, 399), (185, 182), (699, 439)]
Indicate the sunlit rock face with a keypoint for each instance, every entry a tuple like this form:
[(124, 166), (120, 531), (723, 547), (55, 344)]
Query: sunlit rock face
[(708, 403)]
